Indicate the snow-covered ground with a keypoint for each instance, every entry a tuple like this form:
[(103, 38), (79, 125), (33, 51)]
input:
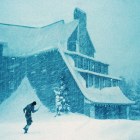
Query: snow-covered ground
[(66, 127), (72, 127)]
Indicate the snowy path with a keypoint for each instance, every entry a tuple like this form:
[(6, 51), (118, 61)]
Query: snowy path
[(73, 127)]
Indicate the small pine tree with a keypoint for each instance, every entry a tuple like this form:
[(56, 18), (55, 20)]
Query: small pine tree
[(62, 99)]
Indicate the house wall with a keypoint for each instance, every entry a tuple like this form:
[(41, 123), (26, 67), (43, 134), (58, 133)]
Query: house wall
[(72, 41), (89, 64), (12, 71), (98, 82), (106, 111), (87, 109), (44, 73)]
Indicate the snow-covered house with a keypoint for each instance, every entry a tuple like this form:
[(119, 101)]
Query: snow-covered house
[(46, 54)]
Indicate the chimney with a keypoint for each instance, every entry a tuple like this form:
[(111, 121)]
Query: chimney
[(81, 15)]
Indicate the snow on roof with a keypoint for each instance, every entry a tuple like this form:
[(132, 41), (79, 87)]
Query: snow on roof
[(22, 40), (87, 71), (51, 48), (95, 73), (111, 95), (82, 55)]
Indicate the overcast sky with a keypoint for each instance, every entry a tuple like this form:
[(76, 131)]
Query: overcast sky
[(113, 26)]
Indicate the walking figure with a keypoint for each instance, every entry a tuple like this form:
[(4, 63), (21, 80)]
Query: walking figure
[(28, 110)]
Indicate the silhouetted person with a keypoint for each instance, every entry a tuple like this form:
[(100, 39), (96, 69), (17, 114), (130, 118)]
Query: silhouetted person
[(28, 110)]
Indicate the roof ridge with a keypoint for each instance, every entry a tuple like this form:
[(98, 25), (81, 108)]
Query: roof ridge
[(53, 23), (31, 26), (17, 25)]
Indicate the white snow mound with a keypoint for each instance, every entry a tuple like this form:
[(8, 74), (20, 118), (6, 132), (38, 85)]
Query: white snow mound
[(12, 108)]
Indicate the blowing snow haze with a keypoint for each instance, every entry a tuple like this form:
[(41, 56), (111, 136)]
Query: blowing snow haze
[(113, 27)]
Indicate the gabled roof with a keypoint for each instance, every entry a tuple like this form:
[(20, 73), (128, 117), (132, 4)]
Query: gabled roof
[(22, 41), (112, 95)]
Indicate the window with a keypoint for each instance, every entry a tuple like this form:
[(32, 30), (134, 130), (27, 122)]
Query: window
[(108, 82), (96, 81), (80, 62), (104, 82), (85, 63), (95, 66), (90, 80), (91, 66), (106, 69), (117, 83), (99, 68), (102, 69), (101, 82), (75, 60)]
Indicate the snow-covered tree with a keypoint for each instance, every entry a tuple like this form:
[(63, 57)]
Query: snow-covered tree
[(62, 98), (128, 88)]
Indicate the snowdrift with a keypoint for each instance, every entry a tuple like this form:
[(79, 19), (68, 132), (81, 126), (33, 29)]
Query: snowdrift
[(12, 108)]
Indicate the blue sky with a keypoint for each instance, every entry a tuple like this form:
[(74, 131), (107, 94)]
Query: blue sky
[(114, 27)]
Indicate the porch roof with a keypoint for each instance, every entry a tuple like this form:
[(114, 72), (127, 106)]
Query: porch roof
[(110, 95)]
